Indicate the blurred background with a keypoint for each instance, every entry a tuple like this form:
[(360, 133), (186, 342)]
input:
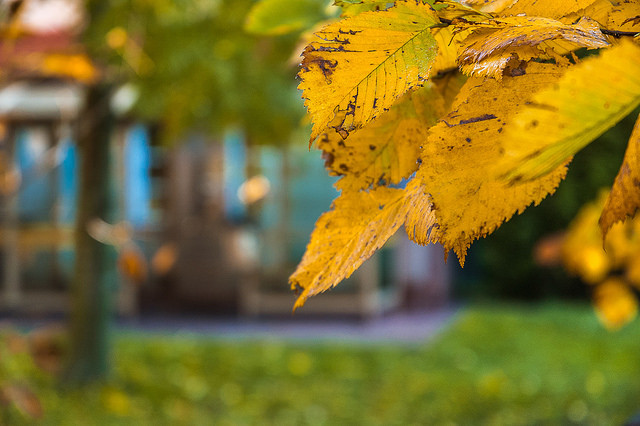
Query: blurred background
[(156, 191)]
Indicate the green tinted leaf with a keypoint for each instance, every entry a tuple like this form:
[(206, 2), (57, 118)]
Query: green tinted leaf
[(275, 17)]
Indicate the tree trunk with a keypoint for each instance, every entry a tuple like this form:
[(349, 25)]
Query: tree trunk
[(95, 263)]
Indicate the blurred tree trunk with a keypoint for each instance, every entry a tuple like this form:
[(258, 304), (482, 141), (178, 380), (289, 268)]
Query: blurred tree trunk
[(95, 262)]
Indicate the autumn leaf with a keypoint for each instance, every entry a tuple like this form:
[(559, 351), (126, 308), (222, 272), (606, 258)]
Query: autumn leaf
[(592, 257), (449, 43), (387, 150), (625, 16), (371, 84), (562, 119), (361, 65), (489, 6), (553, 9), (615, 303), (624, 198), (461, 151), (449, 38), (355, 7), (357, 225), (582, 252), (452, 9), (599, 11), (493, 44)]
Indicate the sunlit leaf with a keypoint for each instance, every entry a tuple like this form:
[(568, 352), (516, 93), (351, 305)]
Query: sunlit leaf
[(387, 150), (357, 225), (360, 66), (625, 16), (624, 199), (599, 11), (452, 9), (489, 6), (355, 7), (590, 98), (449, 43), (553, 9), (491, 46), (461, 151)]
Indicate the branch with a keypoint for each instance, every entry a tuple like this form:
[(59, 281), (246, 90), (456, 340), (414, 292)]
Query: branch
[(618, 34)]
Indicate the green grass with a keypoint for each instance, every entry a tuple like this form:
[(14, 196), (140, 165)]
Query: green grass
[(493, 365)]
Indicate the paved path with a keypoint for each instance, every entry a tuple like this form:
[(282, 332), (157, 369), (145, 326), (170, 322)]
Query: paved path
[(397, 327)]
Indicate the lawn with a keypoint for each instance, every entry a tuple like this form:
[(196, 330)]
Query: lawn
[(493, 365)]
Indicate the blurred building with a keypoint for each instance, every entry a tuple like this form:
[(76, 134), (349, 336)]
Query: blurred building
[(210, 225)]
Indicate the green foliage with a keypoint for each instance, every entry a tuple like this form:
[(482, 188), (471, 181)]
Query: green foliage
[(197, 69), (482, 370), (277, 17)]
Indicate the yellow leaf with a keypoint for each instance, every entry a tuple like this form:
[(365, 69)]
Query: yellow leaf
[(452, 9), (615, 303), (448, 42), (582, 250), (591, 97), (624, 198), (353, 7), (554, 9), (625, 16), (421, 219), (490, 6), (387, 150), (384, 152), (599, 11), (494, 43), (585, 254), (360, 66), (458, 158), (357, 225)]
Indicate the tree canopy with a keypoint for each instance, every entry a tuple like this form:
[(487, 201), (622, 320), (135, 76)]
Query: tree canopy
[(196, 68)]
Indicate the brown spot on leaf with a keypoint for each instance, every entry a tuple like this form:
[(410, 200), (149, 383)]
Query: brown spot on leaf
[(476, 119), (326, 66), (328, 159)]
